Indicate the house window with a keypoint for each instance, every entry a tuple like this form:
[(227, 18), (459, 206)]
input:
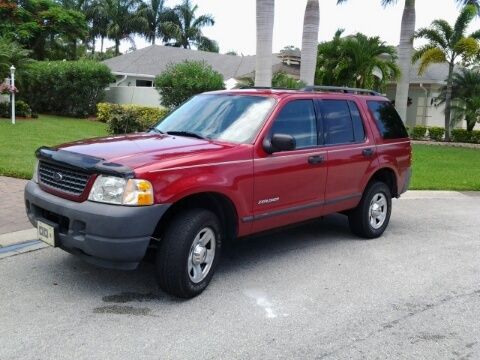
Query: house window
[(143, 83)]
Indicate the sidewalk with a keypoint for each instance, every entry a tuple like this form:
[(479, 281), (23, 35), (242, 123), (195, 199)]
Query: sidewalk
[(12, 207)]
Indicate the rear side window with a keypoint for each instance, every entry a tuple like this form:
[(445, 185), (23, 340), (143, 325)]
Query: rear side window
[(358, 129), (387, 119), (342, 123)]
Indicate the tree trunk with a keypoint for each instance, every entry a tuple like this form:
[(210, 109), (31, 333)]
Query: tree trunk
[(101, 44), (94, 42), (117, 47), (263, 61), (448, 100), (405, 50), (311, 22)]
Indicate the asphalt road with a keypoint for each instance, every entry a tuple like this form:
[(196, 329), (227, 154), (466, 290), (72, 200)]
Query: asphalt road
[(311, 292)]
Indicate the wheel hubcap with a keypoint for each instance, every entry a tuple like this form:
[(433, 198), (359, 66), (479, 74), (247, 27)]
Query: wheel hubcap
[(378, 210), (202, 254)]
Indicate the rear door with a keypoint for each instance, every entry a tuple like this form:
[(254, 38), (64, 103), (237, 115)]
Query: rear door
[(351, 152), (289, 185)]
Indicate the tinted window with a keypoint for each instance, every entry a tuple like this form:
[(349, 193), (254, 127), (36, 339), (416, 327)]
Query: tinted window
[(297, 118), (388, 121), (358, 129), (337, 123)]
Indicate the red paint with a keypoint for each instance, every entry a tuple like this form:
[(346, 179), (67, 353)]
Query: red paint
[(180, 166)]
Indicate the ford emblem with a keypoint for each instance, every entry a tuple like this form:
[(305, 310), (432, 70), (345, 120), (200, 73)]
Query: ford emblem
[(58, 176)]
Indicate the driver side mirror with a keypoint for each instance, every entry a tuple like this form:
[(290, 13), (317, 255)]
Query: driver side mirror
[(279, 142)]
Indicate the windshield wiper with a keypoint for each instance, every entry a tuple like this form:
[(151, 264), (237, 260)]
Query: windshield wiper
[(155, 130), (186, 133)]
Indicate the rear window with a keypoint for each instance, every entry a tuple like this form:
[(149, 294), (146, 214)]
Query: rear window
[(388, 121)]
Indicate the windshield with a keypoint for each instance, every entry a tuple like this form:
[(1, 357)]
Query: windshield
[(231, 118)]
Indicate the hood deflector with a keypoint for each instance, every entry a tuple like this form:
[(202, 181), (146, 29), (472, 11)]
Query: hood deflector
[(87, 163)]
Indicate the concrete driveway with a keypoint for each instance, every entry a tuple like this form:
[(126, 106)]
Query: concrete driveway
[(311, 292)]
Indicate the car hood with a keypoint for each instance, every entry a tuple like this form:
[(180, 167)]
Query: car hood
[(143, 149)]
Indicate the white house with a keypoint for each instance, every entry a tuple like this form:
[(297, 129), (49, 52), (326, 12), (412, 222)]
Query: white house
[(136, 71)]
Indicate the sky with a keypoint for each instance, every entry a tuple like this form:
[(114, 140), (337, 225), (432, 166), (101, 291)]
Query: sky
[(234, 27)]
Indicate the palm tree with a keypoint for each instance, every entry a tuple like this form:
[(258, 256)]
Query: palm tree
[(124, 20), (263, 60), (182, 28), (465, 97), (447, 44), (311, 23), (405, 49), (154, 12), (357, 60)]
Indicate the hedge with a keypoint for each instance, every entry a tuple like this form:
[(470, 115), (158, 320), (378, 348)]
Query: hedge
[(462, 135), (418, 132), (21, 109), (436, 133), (122, 119), (181, 81), (71, 88)]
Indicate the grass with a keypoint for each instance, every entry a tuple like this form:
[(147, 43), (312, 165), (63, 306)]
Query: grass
[(18, 142), (434, 167), (445, 168)]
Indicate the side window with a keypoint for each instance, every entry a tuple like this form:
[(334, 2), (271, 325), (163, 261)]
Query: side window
[(337, 123), (358, 129), (387, 119), (297, 118)]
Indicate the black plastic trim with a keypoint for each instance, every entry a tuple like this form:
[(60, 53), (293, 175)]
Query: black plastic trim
[(299, 208), (87, 163)]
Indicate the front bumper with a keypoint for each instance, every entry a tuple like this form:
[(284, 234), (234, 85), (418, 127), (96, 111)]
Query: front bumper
[(106, 235)]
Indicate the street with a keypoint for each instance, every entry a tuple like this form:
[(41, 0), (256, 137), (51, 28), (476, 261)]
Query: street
[(309, 292)]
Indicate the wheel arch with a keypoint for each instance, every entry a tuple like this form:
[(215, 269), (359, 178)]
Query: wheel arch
[(220, 204), (388, 176)]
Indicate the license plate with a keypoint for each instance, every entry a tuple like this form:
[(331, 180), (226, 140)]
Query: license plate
[(46, 233)]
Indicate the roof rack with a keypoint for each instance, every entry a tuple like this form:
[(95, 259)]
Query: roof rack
[(342, 89)]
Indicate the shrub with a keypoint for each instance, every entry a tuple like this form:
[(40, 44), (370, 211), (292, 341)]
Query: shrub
[(475, 136), (436, 133), (418, 132), (281, 80), (122, 119), (21, 109), (461, 135), (71, 88), (183, 80), (4, 109)]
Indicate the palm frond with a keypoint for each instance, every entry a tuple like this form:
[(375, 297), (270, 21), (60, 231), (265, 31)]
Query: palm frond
[(433, 35), (431, 56), (466, 16)]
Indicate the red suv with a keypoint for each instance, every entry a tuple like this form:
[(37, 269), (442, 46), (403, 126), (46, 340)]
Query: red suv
[(223, 165)]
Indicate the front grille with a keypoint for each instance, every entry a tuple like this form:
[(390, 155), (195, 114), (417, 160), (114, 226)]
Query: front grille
[(63, 179)]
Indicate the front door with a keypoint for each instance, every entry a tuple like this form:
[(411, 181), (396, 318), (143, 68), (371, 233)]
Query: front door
[(289, 186)]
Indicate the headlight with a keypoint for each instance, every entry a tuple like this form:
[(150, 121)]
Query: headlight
[(35, 172), (115, 190)]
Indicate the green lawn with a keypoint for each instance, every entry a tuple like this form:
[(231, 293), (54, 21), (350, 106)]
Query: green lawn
[(18, 142), (445, 168), (434, 167)]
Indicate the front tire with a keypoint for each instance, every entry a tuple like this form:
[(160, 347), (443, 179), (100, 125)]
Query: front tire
[(189, 253), (370, 218)]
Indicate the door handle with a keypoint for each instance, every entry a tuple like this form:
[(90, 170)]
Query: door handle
[(367, 152), (315, 159)]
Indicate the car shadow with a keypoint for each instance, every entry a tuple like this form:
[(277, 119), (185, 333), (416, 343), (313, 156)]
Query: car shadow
[(126, 287)]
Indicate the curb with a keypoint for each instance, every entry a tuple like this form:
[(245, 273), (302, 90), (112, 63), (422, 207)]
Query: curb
[(17, 237), (19, 242)]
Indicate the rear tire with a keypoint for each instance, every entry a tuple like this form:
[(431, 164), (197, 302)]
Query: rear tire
[(370, 218), (189, 252)]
